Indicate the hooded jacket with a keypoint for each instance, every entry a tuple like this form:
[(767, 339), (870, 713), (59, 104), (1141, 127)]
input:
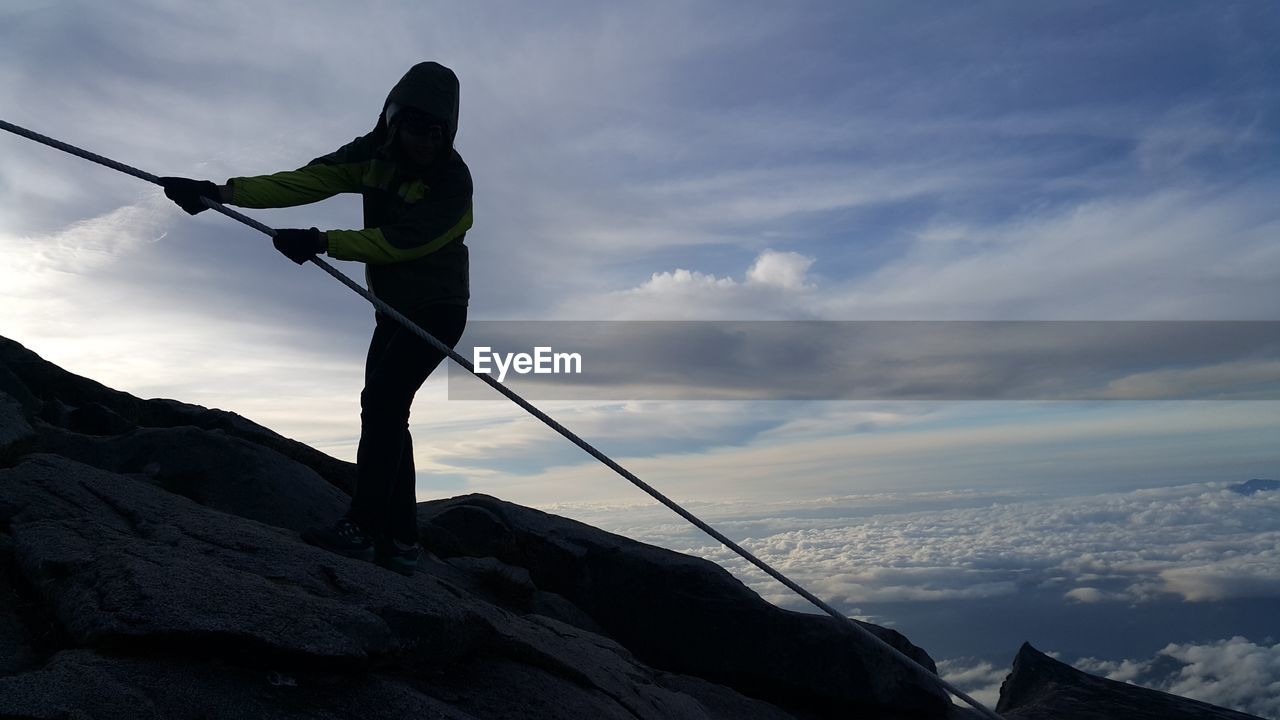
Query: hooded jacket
[(415, 218)]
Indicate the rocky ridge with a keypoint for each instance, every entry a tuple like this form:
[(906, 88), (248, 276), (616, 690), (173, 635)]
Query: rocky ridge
[(150, 567)]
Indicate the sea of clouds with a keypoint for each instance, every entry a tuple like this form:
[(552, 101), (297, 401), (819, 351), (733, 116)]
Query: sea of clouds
[(1191, 544), (1201, 542)]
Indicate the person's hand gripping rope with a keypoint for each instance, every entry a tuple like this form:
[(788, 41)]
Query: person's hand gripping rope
[(297, 245)]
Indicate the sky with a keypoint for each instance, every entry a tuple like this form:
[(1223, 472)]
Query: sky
[(728, 161)]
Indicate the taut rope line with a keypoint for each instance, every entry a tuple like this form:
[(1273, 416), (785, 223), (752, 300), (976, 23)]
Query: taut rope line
[(548, 420)]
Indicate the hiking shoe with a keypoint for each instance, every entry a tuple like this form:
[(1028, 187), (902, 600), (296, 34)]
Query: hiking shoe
[(395, 555), (344, 538)]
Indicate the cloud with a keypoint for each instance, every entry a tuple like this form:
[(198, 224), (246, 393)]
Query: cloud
[(775, 285), (1170, 253), (1093, 595), (1137, 257), (1235, 673), (777, 450), (683, 282), (980, 680), (771, 269), (1195, 542), (88, 298), (1253, 575), (780, 269), (38, 263), (1193, 132), (1216, 380)]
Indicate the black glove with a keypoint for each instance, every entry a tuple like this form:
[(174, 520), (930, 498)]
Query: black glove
[(300, 245), (187, 192)]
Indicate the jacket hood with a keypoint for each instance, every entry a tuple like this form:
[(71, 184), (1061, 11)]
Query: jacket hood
[(431, 88)]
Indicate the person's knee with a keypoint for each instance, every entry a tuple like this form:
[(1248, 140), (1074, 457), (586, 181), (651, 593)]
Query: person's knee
[(384, 409)]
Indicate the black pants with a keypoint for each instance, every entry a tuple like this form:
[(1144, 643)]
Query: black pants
[(385, 502)]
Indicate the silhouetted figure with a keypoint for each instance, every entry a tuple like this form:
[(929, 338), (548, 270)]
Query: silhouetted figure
[(417, 210)]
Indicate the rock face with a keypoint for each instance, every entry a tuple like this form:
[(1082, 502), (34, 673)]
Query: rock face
[(150, 567), (678, 612), (1041, 688)]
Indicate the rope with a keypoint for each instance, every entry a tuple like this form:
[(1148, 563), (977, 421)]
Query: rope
[(548, 420)]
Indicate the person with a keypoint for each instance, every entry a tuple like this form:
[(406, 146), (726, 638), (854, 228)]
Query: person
[(417, 209)]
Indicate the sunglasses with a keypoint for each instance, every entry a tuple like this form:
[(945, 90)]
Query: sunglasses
[(421, 127)]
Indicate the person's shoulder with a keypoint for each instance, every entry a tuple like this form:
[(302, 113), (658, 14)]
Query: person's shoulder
[(456, 175), (361, 149)]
